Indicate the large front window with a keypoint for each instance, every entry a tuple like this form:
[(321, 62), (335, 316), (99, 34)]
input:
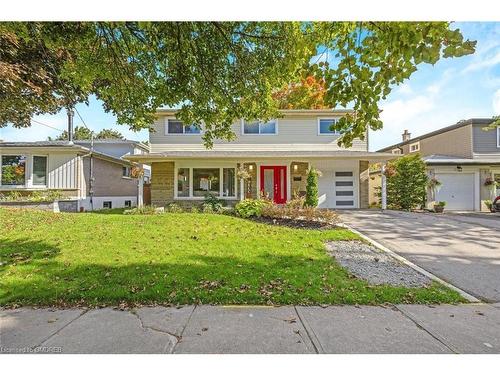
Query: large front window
[(13, 170), (206, 181), (40, 170), (200, 182)]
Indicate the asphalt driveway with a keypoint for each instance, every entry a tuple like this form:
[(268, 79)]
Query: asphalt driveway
[(464, 250)]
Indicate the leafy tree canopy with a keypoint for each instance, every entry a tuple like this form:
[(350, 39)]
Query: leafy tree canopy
[(309, 93), (81, 133), (216, 72)]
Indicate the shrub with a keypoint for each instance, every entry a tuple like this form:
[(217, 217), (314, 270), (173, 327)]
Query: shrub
[(407, 182), (174, 208), (296, 202), (34, 196), (312, 188), (293, 213), (250, 207), (195, 210), (215, 203), (144, 210), (207, 208)]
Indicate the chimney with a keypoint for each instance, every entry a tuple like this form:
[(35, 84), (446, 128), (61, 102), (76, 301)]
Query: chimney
[(406, 136), (71, 113)]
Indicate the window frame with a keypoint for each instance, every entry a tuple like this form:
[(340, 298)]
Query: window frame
[(276, 128), (129, 168), (396, 151), (414, 144), (110, 205), (183, 128), (191, 186), (26, 169), (336, 133), (33, 170), (125, 203)]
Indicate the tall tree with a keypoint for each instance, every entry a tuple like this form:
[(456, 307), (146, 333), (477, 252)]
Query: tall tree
[(82, 133), (309, 93), (216, 72)]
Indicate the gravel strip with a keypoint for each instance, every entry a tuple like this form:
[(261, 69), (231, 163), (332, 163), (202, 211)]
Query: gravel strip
[(373, 265)]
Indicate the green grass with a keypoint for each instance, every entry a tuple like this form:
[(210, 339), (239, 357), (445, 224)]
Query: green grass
[(94, 259)]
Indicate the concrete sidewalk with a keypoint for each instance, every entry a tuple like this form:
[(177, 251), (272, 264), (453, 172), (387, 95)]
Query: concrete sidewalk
[(473, 328)]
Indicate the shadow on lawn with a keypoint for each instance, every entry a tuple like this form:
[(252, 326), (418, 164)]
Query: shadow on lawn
[(24, 251), (269, 279)]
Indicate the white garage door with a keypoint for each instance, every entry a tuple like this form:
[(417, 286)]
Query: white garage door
[(457, 190)]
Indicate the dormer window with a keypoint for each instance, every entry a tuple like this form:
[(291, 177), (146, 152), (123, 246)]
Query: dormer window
[(259, 127), (178, 127), (325, 124), (414, 147), (396, 151)]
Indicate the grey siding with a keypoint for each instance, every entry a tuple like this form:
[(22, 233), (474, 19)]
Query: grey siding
[(485, 141), (294, 133)]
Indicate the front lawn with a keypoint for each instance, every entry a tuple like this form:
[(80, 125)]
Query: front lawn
[(95, 259)]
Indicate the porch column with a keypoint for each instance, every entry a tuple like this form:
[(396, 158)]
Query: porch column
[(242, 188), (140, 192), (384, 188)]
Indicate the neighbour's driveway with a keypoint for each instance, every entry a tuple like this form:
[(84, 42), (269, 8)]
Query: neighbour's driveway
[(461, 249)]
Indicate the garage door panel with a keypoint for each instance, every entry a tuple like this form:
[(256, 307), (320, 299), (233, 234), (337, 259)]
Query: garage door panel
[(457, 190)]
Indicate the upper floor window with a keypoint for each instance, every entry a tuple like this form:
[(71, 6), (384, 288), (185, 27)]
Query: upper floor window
[(13, 170), (325, 124), (396, 151), (498, 136), (414, 147), (178, 127), (258, 127)]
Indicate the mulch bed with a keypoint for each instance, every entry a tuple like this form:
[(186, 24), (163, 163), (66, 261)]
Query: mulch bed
[(296, 224)]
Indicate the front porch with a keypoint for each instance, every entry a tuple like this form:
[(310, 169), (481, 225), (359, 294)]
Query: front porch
[(343, 183)]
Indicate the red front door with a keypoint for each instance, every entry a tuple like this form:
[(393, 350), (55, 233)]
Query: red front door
[(273, 183)]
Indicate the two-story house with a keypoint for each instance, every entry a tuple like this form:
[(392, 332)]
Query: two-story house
[(275, 157), (463, 157)]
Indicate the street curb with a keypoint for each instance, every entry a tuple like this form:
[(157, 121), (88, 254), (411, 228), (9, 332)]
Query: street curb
[(403, 260)]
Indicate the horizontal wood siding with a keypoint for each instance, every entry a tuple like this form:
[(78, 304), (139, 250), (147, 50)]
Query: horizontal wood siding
[(485, 141), (294, 133)]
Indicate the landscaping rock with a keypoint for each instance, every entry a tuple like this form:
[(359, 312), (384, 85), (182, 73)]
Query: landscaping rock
[(367, 262)]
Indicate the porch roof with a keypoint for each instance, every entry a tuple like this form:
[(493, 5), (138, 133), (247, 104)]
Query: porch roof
[(255, 155)]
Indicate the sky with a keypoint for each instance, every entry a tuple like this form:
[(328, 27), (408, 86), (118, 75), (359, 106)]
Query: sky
[(434, 97)]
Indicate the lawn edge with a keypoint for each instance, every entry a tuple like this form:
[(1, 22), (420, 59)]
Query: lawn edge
[(463, 293)]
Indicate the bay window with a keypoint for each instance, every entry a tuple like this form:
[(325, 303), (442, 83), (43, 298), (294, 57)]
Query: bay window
[(13, 170), (199, 182), (40, 170)]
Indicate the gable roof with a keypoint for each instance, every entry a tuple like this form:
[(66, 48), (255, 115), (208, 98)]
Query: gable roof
[(114, 141), (459, 124)]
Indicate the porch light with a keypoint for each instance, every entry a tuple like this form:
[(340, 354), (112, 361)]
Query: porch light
[(459, 168), (295, 167), (250, 167)]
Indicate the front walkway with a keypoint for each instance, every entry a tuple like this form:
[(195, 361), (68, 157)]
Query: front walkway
[(473, 328), (463, 250)]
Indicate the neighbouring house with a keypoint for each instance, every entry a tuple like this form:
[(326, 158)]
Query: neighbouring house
[(270, 158), (88, 178), (464, 158)]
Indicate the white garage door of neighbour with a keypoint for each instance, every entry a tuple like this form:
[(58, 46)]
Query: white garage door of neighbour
[(457, 190)]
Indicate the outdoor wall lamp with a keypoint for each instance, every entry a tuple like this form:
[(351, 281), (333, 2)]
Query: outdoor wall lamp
[(295, 167), (250, 167), (459, 168)]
